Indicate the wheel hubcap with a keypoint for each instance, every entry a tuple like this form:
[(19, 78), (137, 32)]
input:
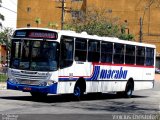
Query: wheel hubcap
[(77, 92), (129, 92)]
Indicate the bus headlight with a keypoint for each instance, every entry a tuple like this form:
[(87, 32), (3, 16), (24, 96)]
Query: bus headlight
[(43, 84), (14, 81), (49, 82), (46, 83)]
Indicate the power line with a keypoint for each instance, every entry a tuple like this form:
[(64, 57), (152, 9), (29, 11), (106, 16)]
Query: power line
[(9, 9), (18, 7)]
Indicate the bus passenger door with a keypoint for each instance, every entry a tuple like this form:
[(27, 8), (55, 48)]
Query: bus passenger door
[(66, 65)]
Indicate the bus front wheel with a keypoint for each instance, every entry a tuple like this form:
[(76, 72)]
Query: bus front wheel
[(79, 88), (78, 92)]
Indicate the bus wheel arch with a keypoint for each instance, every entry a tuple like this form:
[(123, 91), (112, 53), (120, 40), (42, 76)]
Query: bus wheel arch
[(129, 88), (80, 87)]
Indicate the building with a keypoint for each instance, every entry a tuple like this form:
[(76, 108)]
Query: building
[(139, 15), (3, 54)]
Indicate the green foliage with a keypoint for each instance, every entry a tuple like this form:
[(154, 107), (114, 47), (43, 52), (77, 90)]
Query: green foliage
[(53, 25), (97, 23), (5, 36), (126, 36), (38, 21), (3, 77)]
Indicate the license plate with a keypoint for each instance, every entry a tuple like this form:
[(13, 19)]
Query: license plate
[(27, 89)]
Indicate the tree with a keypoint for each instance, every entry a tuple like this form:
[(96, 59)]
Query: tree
[(38, 21), (96, 22), (5, 39), (5, 36)]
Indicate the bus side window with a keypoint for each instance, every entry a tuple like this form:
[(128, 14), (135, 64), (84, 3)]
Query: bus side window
[(118, 53), (140, 55), (149, 57), (130, 54), (106, 52), (66, 52), (80, 49), (93, 51)]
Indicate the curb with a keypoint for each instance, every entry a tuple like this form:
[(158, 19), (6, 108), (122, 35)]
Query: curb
[(3, 86)]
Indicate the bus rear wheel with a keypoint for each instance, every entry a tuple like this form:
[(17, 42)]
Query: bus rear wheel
[(129, 90)]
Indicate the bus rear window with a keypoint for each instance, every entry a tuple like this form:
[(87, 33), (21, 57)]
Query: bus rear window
[(149, 57)]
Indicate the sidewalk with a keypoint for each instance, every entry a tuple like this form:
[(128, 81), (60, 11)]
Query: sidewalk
[(2, 85), (157, 76)]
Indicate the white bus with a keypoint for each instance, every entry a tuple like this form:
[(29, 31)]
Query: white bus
[(45, 61)]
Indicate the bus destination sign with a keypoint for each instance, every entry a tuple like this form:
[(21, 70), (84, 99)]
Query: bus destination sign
[(42, 35), (39, 34)]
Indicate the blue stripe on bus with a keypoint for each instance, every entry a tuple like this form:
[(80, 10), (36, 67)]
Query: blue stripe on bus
[(96, 73)]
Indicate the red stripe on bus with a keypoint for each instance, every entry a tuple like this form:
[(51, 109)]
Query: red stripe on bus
[(123, 65)]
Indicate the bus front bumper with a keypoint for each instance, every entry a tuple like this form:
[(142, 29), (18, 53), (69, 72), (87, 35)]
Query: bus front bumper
[(32, 88)]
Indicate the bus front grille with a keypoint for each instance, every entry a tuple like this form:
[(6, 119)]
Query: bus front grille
[(30, 78), (28, 82)]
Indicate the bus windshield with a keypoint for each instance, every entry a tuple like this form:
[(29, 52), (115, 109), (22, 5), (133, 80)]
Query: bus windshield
[(34, 55)]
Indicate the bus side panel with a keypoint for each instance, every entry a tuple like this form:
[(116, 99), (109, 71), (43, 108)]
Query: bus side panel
[(97, 81), (69, 75), (149, 74), (147, 81), (95, 85), (114, 77), (120, 86), (88, 86), (65, 87), (82, 69), (141, 85), (107, 86)]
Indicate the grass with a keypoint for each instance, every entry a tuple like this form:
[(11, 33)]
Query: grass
[(3, 77)]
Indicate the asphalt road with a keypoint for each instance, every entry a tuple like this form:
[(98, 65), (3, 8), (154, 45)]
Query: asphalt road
[(18, 105)]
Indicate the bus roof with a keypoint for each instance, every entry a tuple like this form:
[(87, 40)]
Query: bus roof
[(87, 36)]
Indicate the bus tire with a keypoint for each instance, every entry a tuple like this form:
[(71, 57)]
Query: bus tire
[(129, 89), (79, 89), (38, 95), (78, 93)]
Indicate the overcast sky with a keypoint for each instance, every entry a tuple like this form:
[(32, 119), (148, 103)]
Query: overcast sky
[(9, 10)]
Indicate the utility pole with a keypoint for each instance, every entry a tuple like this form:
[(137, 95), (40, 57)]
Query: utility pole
[(141, 31), (62, 17), (63, 9)]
